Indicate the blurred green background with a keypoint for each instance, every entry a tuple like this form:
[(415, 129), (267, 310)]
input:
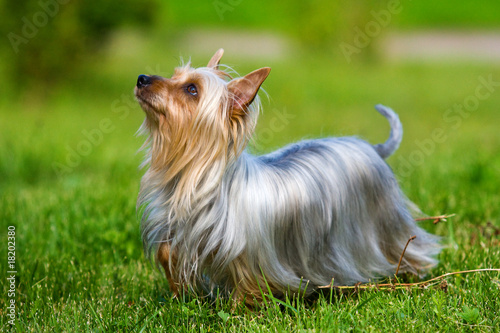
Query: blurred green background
[(69, 174)]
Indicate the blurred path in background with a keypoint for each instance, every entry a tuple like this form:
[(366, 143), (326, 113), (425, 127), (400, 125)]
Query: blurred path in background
[(412, 45), (242, 43), (435, 45)]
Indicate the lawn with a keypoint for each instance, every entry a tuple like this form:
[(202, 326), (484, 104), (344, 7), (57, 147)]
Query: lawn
[(69, 179)]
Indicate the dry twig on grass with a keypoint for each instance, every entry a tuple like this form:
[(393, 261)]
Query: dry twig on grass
[(402, 254), (393, 286), (421, 284), (436, 219)]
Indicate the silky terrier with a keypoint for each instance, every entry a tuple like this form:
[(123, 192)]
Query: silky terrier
[(312, 213)]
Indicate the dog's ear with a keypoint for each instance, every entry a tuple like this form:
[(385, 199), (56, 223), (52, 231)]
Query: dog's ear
[(243, 90), (214, 62)]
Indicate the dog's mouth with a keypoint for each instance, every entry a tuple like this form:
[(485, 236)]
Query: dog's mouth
[(147, 98), (144, 101), (141, 89), (144, 95), (149, 103)]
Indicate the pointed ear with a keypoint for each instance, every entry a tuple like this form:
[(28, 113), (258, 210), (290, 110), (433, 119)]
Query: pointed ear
[(214, 62), (243, 90)]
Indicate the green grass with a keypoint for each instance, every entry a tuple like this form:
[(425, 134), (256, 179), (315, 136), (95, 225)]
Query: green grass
[(79, 256)]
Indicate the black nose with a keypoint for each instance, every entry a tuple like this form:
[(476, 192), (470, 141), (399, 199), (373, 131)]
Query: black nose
[(143, 80)]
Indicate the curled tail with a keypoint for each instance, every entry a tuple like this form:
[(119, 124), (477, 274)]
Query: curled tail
[(387, 148)]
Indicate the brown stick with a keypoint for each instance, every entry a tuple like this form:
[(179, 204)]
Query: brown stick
[(436, 219), (406, 285), (402, 254)]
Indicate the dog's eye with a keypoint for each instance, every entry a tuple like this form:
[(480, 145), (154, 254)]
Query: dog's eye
[(191, 89)]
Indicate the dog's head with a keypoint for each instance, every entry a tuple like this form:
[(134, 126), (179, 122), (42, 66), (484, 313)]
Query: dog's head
[(200, 107), (198, 122)]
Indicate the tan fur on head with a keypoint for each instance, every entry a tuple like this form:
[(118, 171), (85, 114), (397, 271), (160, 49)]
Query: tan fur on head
[(191, 134)]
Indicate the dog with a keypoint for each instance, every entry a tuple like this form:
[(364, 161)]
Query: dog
[(216, 217)]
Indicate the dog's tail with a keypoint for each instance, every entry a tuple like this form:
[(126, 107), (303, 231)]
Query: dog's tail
[(387, 148)]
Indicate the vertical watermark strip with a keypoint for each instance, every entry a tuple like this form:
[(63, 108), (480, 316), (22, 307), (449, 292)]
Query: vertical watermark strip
[(11, 275)]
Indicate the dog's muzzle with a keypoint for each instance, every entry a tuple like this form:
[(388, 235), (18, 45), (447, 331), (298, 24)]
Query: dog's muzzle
[(143, 81)]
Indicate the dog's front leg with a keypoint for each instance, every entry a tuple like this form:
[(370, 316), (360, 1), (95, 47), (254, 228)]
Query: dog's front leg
[(168, 259)]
